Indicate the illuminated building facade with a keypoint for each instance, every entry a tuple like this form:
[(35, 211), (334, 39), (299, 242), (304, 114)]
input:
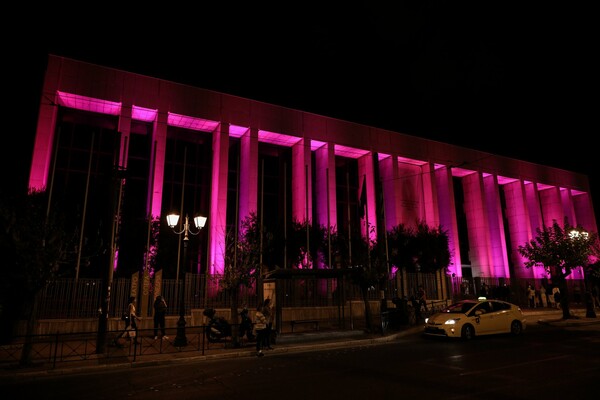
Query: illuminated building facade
[(172, 147)]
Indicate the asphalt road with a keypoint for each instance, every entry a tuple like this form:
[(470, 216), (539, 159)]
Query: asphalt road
[(547, 362)]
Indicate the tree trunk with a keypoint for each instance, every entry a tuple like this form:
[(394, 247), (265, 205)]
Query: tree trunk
[(234, 321), (564, 298), (564, 304), (28, 344), (368, 316)]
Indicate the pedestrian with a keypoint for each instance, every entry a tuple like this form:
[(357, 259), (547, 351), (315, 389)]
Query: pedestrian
[(595, 296), (556, 293), (160, 313), (577, 294), (131, 321), (551, 301), (267, 311), (422, 298), (260, 326), (531, 296), (483, 291), (543, 297)]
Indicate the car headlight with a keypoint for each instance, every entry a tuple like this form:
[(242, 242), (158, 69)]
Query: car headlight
[(451, 321)]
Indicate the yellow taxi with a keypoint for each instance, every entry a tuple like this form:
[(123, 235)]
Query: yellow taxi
[(469, 318)]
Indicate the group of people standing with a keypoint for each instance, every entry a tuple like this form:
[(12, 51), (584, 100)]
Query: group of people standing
[(131, 319), (263, 322), (263, 325), (542, 297)]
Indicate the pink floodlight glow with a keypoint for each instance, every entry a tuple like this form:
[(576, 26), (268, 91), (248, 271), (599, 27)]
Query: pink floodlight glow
[(503, 180), (88, 103), (349, 152), (411, 161), (237, 131), (196, 124), (383, 156), (461, 172), (543, 186), (143, 114), (316, 145), (277, 138)]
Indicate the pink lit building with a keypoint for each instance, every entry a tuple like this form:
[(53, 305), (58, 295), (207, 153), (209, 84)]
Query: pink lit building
[(107, 137)]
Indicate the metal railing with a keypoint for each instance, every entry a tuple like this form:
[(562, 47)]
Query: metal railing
[(66, 298), (51, 350)]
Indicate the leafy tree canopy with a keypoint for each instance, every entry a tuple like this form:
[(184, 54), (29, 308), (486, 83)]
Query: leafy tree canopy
[(422, 248), (243, 254), (34, 246), (560, 249)]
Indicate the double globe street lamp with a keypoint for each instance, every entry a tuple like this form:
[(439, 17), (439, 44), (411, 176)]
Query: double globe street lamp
[(172, 221)]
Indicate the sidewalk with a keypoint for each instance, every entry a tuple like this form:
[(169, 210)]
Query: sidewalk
[(285, 343)]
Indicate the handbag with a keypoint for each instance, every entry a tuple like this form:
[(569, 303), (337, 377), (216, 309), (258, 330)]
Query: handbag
[(124, 317)]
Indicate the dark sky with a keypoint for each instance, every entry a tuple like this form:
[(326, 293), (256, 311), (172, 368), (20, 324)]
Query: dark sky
[(504, 77)]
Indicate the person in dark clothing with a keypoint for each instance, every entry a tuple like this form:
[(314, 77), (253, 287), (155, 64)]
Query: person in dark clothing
[(422, 298), (267, 311), (160, 313), (483, 292)]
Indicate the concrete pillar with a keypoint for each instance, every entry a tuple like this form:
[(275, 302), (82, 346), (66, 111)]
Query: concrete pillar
[(217, 222), (248, 200), (325, 186), (447, 212), (477, 225), (498, 252), (519, 225)]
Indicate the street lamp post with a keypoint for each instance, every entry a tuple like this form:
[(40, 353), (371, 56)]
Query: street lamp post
[(199, 222)]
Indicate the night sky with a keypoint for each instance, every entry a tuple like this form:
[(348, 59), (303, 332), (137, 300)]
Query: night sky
[(517, 80)]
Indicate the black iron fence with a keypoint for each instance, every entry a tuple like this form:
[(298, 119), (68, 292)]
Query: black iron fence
[(51, 350), (67, 298)]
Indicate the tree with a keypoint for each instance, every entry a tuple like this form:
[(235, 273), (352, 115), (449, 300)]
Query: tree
[(242, 262), (402, 248), (422, 249), (34, 249), (304, 244), (559, 250), (368, 269)]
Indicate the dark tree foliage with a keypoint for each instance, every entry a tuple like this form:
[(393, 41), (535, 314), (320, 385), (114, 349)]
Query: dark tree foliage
[(304, 244), (243, 250), (34, 249), (420, 249)]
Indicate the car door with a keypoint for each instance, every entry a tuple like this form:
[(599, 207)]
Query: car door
[(481, 317), (501, 317)]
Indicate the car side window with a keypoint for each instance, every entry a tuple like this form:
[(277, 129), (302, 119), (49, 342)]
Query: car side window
[(500, 306), (483, 308)]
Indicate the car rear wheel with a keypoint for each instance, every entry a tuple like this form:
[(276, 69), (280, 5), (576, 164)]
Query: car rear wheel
[(516, 328), (468, 332)]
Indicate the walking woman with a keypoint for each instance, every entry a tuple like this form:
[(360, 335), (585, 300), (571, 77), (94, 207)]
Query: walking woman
[(130, 330), (260, 325), (267, 311)]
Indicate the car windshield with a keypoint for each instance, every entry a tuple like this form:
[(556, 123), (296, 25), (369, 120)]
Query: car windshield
[(459, 308)]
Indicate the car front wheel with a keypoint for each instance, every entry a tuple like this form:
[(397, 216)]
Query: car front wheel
[(468, 332)]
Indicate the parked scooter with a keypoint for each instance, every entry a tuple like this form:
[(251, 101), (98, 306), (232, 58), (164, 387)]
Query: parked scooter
[(246, 326), (217, 328)]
